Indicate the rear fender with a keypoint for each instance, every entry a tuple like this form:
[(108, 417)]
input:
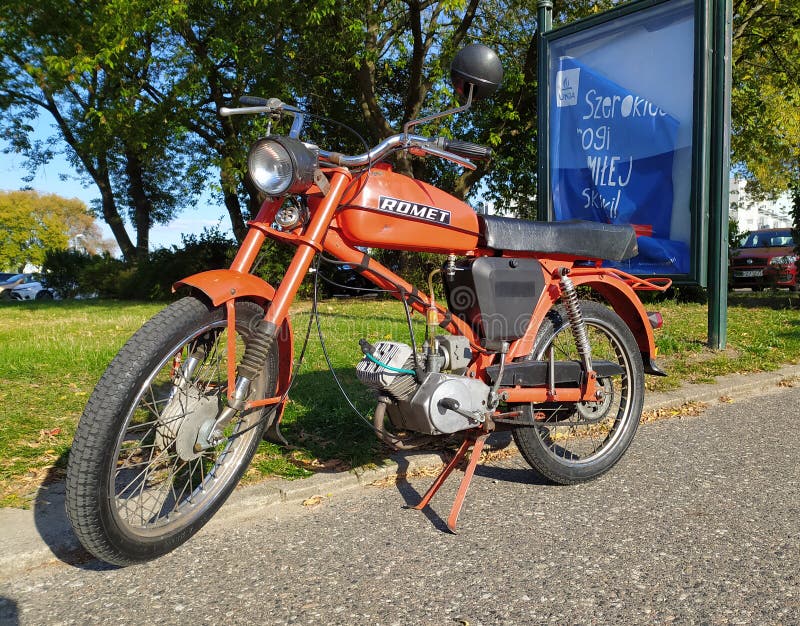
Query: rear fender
[(222, 286), (626, 304)]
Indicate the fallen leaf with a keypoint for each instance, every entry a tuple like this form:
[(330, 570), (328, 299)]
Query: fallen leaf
[(48, 434), (692, 409), (312, 501)]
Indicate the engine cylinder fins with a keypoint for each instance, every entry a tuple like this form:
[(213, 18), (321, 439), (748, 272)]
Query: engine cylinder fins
[(374, 373)]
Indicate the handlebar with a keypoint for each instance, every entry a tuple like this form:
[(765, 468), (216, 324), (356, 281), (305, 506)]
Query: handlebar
[(467, 149), (460, 152), (435, 146)]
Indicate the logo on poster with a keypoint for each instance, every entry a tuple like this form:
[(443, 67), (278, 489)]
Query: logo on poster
[(567, 82)]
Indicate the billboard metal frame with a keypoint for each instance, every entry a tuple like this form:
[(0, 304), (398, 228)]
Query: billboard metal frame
[(710, 139)]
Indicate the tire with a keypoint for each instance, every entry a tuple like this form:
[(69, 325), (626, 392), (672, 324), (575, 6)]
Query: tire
[(44, 294), (136, 487), (577, 442)]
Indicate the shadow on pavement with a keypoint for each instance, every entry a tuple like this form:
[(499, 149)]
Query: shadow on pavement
[(54, 528), (412, 496), (498, 441), (9, 614)]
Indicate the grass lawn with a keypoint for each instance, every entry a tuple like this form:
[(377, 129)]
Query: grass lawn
[(52, 354)]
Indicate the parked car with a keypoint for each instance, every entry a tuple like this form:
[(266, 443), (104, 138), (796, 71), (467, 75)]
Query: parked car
[(32, 287), (766, 258), (7, 282)]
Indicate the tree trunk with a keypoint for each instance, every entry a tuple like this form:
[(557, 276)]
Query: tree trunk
[(111, 216), (235, 212), (143, 206)]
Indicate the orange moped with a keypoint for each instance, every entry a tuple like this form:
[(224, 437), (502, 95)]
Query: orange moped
[(178, 414)]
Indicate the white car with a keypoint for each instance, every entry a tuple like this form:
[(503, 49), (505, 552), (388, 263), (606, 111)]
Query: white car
[(32, 288), (8, 281)]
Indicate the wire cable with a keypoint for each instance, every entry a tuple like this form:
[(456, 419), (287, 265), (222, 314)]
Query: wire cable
[(315, 314), (391, 368)]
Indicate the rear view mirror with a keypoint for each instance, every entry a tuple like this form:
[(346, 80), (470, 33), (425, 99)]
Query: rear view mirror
[(479, 66)]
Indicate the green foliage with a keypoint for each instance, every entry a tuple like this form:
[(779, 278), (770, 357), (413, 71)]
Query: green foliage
[(153, 279), (734, 234), (102, 74), (103, 276), (73, 273), (134, 88), (414, 267), (63, 269), (31, 225), (766, 93)]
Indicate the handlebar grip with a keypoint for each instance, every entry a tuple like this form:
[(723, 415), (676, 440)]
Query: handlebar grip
[(253, 101), (473, 151)]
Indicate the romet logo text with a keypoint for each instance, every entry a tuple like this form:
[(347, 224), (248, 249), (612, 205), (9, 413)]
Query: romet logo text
[(412, 209)]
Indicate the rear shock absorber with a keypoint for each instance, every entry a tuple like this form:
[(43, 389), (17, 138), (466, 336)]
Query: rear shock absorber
[(576, 323)]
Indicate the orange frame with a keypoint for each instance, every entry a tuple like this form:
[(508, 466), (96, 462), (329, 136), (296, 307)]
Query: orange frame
[(323, 234)]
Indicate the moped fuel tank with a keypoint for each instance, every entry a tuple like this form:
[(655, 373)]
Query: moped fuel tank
[(389, 210)]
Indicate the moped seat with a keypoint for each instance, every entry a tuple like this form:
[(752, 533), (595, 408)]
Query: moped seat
[(591, 240)]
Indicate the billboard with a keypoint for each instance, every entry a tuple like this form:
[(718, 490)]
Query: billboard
[(621, 130)]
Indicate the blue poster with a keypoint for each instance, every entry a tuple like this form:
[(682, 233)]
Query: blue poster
[(612, 155)]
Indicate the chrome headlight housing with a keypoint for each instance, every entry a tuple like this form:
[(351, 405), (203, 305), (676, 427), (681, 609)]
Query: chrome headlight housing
[(281, 165), (789, 259)]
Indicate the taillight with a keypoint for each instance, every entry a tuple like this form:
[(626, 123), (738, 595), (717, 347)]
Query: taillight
[(656, 321)]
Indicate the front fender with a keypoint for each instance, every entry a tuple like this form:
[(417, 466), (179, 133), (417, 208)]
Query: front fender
[(221, 286)]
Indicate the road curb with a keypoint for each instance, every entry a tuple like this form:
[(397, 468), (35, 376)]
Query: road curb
[(42, 535)]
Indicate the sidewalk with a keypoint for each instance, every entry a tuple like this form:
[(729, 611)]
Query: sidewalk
[(36, 537)]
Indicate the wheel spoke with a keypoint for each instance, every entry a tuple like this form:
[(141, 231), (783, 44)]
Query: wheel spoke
[(577, 441), (152, 483)]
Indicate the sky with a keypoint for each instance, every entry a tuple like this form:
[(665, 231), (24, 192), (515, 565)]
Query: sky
[(48, 180)]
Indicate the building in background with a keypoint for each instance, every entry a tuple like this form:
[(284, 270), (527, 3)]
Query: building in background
[(752, 214)]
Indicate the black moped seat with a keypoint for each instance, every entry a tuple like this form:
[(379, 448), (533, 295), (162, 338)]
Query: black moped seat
[(591, 240)]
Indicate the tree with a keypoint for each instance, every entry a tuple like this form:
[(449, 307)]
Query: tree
[(90, 65), (32, 224), (766, 93), (135, 87)]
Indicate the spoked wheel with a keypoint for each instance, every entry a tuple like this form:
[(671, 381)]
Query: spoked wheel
[(138, 485), (575, 442)]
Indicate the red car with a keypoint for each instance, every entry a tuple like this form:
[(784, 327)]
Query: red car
[(766, 258)]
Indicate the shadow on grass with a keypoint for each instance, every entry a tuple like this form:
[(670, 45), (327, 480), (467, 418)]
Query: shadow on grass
[(776, 300), (320, 422)]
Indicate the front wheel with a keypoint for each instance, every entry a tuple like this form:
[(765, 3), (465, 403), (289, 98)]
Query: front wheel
[(576, 442), (137, 486)]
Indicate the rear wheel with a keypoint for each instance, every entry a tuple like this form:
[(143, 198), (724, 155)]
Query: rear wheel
[(575, 442), (137, 486)]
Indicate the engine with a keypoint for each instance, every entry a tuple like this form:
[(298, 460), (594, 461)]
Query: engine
[(435, 402)]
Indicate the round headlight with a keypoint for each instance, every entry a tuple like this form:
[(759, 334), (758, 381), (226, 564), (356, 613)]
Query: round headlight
[(281, 165), (270, 167)]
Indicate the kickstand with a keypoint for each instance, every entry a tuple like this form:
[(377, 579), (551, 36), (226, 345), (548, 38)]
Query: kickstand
[(477, 446)]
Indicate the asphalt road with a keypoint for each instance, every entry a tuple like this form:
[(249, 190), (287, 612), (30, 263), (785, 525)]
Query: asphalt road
[(699, 523)]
